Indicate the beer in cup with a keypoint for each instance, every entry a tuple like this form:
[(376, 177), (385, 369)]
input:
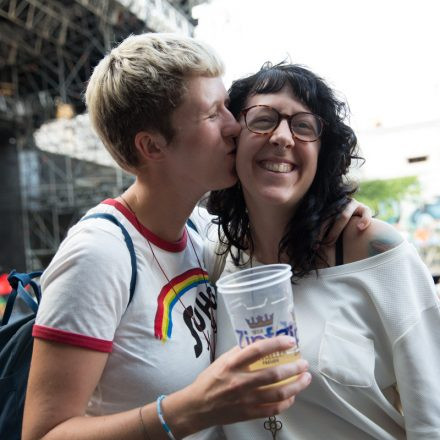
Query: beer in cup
[(259, 301)]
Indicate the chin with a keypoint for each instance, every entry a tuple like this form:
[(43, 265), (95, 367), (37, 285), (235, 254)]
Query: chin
[(226, 183), (280, 200)]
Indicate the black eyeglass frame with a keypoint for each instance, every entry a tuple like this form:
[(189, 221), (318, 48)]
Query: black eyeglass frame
[(282, 116)]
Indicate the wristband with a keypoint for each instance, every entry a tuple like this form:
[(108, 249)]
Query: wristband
[(162, 420)]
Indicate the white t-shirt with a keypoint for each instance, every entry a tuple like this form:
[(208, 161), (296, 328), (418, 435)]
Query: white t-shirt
[(154, 347), (363, 327)]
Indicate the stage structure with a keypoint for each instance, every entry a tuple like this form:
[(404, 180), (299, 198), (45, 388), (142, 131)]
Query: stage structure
[(52, 167)]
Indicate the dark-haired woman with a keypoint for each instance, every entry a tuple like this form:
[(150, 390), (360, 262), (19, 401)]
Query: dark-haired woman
[(367, 313)]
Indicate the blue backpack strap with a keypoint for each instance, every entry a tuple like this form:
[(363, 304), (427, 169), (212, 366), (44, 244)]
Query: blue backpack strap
[(192, 225), (130, 246), (18, 282)]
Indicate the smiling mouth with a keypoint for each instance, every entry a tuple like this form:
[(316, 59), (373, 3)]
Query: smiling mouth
[(277, 167)]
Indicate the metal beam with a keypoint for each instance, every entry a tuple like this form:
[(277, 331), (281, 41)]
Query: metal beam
[(47, 51)]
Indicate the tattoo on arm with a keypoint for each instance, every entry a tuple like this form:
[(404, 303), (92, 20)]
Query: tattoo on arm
[(381, 244)]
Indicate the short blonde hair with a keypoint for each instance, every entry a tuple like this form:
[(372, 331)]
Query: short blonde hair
[(139, 84)]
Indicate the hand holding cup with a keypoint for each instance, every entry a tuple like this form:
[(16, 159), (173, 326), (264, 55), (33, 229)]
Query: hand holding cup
[(260, 305)]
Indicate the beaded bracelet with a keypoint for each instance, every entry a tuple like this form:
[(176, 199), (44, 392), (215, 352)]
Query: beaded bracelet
[(162, 420)]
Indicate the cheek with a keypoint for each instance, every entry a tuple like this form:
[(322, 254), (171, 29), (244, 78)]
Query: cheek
[(314, 161), (312, 156), (243, 155), (240, 163)]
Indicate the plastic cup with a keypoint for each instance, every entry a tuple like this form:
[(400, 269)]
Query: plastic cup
[(259, 301)]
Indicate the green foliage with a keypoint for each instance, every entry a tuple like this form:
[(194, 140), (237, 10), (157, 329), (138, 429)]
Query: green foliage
[(383, 196)]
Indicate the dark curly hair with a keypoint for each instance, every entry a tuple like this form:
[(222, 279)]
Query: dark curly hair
[(330, 191)]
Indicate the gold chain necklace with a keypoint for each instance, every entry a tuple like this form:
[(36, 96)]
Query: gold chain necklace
[(210, 339)]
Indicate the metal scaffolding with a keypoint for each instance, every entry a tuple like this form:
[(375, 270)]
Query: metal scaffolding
[(48, 49)]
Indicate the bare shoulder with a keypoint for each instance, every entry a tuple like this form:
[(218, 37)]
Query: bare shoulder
[(379, 237)]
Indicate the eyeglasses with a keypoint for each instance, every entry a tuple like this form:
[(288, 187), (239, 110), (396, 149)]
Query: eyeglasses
[(262, 119)]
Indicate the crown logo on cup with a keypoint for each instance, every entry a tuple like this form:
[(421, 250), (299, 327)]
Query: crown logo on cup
[(260, 321)]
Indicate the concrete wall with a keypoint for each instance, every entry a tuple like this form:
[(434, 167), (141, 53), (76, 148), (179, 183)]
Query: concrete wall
[(388, 152)]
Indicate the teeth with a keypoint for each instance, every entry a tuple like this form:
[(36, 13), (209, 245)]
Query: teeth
[(278, 167)]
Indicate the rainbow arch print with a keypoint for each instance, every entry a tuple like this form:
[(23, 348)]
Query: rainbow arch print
[(169, 296)]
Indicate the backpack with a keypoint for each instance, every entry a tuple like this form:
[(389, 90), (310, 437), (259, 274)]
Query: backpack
[(16, 340)]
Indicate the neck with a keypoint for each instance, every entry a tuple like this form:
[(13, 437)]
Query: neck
[(159, 208), (267, 229)]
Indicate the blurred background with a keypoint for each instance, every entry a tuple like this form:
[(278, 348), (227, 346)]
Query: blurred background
[(381, 56)]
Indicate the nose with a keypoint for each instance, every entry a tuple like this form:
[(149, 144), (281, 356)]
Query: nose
[(232, 127), (282, 136)]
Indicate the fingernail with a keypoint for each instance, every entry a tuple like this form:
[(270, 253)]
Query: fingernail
[(292, 341), (303, 364), (361, 225), (308, 378)]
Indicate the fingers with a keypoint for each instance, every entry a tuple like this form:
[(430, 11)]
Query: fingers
[(228, 391), (279, 393), (365, 214), (270, 401), (270, 376), (340, 223), (354, 208), (263, 411), (259, 349), (322, 232), (267, 385)]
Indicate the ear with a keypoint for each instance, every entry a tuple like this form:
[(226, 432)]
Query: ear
[(150, 146)]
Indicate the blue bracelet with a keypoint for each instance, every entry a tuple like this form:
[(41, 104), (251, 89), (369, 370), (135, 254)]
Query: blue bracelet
[(162, 420)]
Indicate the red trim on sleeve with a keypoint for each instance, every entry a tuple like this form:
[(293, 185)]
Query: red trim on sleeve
[(57, 335), (168, 246)]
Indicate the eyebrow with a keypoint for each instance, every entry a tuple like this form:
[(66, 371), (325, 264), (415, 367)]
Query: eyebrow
[(219, 102)]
